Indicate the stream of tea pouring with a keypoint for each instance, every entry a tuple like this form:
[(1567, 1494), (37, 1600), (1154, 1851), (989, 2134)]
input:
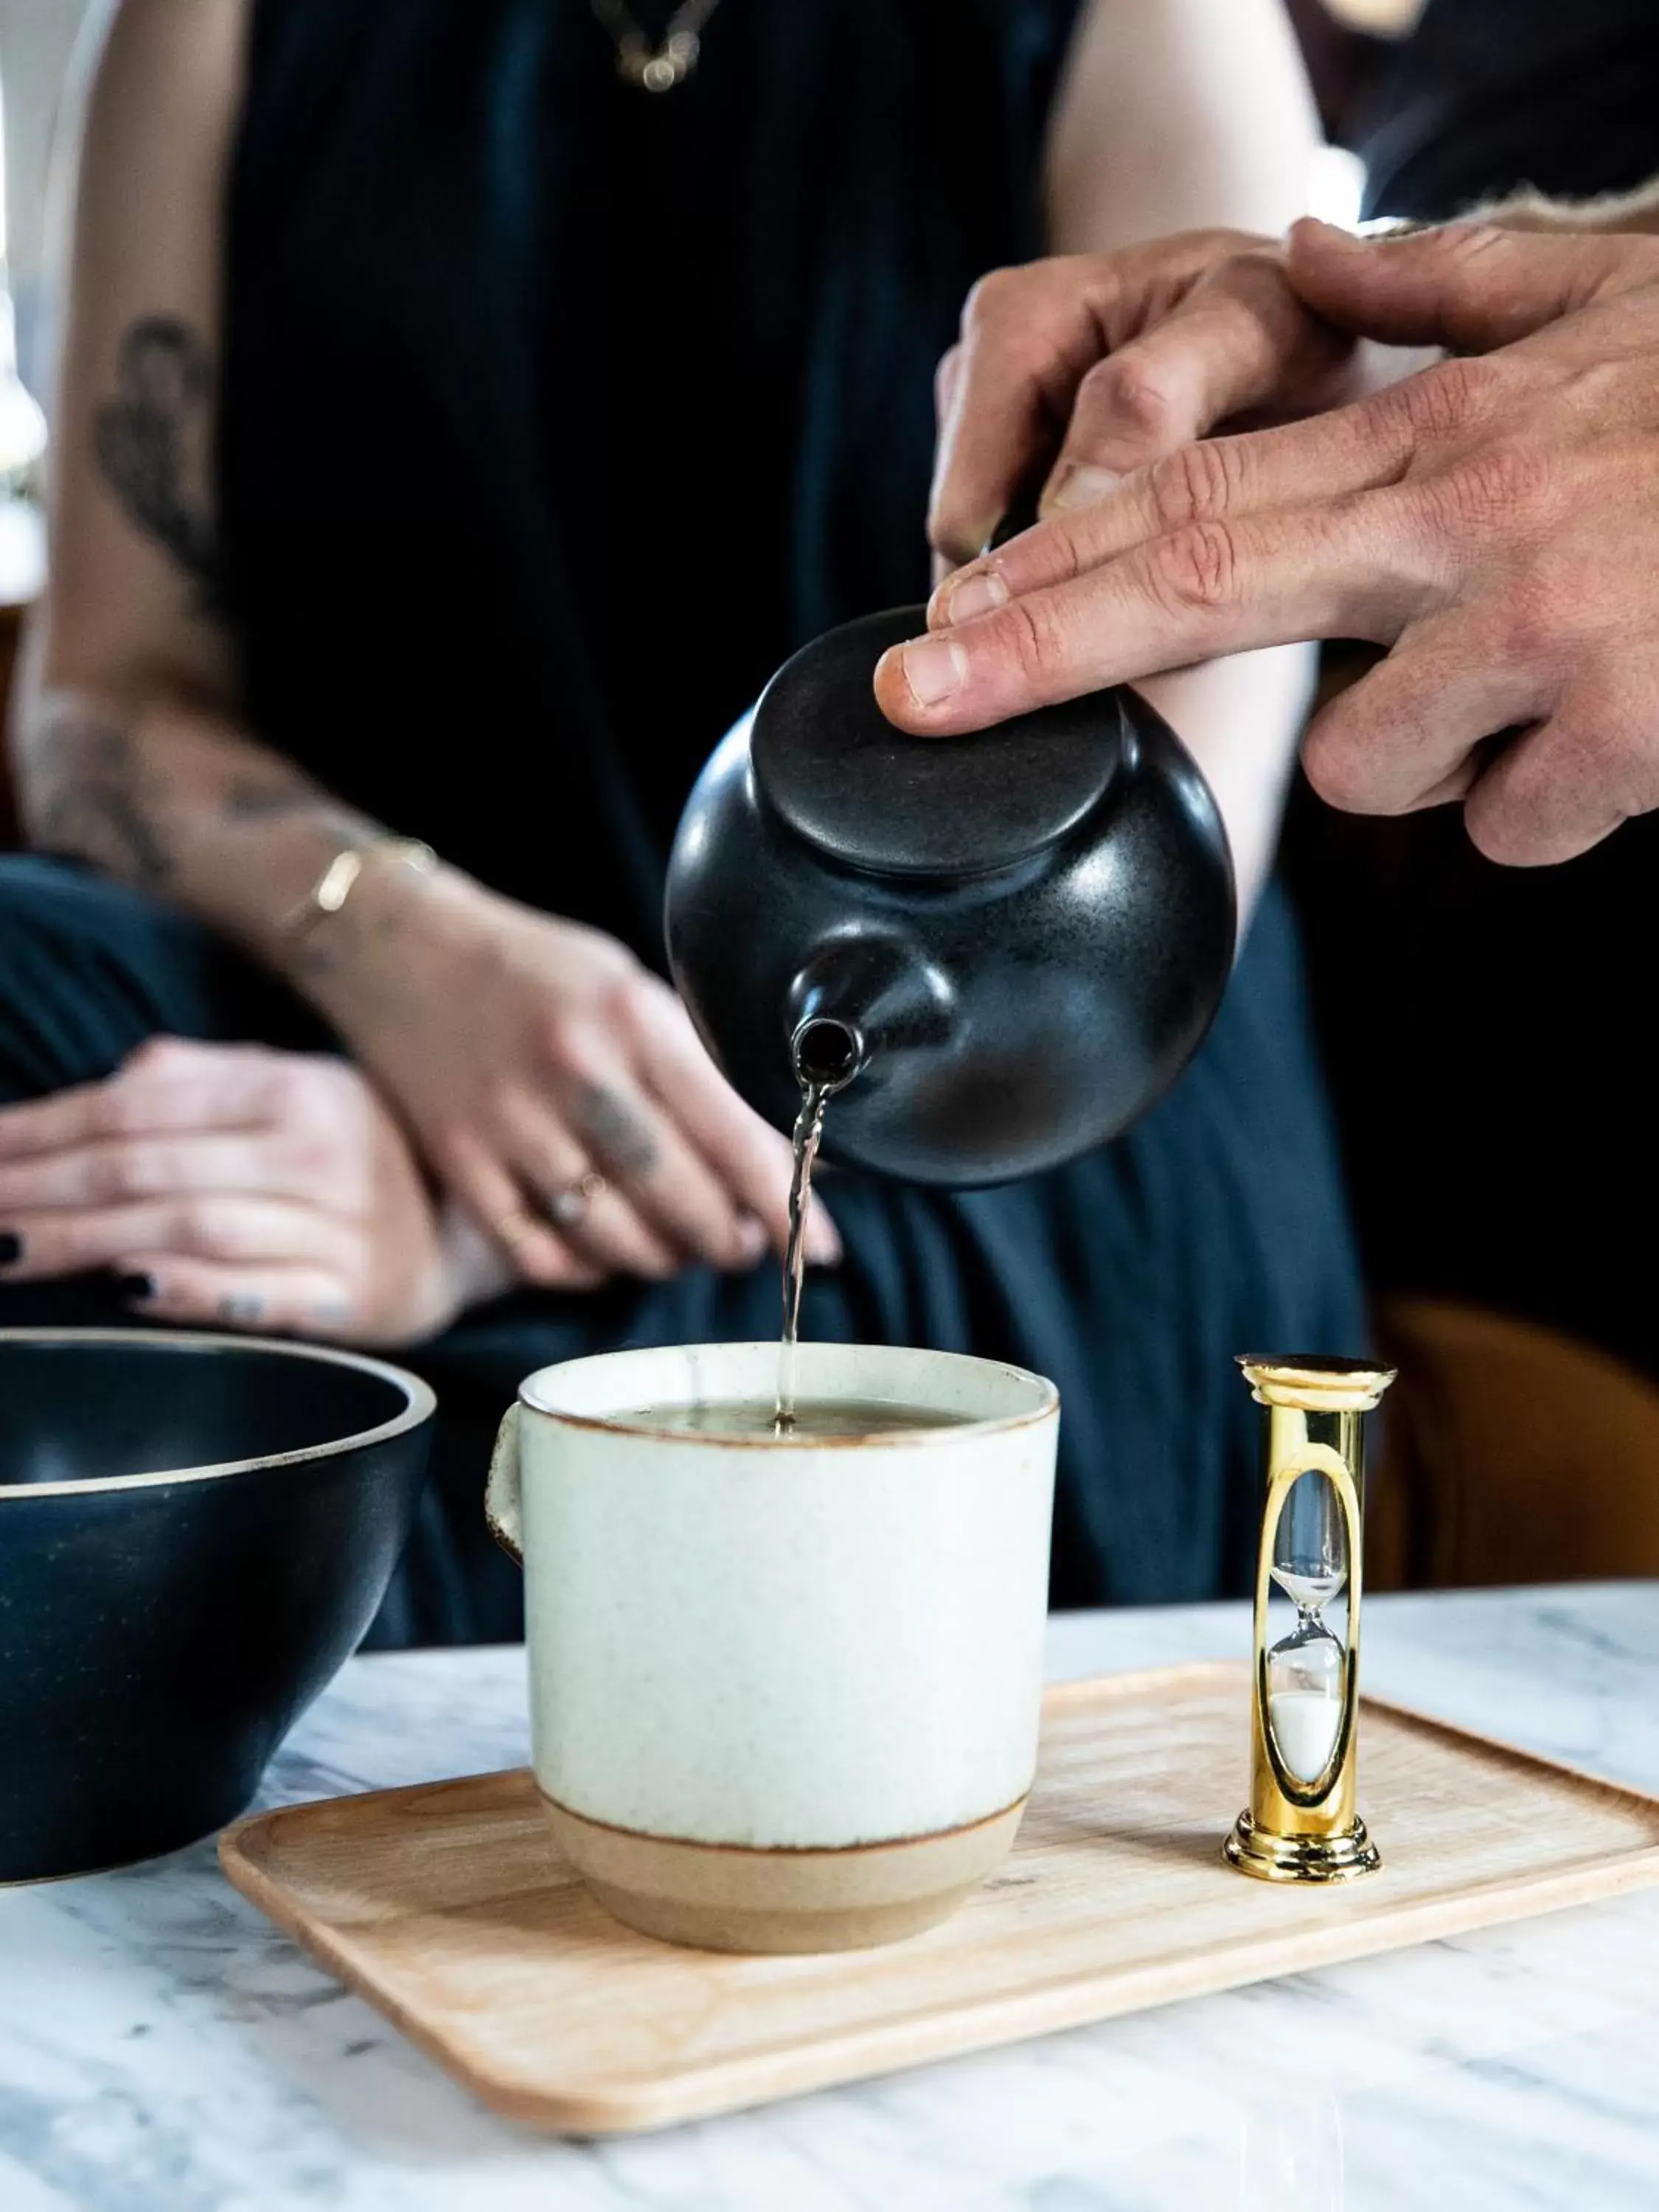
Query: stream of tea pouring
[(828, 1054)]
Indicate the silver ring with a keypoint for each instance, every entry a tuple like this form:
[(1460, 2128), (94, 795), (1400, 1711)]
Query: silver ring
[(567, 1206)]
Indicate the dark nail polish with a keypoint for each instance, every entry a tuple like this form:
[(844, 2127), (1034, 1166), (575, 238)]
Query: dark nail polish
[(11, 1247), (136, 1286)]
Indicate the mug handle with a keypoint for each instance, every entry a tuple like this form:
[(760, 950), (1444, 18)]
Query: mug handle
[(503, 1496)]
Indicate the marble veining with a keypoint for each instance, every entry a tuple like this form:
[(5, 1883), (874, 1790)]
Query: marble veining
[(162, 2049)]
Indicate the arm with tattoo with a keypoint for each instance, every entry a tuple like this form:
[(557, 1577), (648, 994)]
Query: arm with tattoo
[(162, 791), (174, 800), (549, 1082), (128, 749)]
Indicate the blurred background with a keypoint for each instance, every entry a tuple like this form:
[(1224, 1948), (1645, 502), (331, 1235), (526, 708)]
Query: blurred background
[(36, 40), (1480, 1026)]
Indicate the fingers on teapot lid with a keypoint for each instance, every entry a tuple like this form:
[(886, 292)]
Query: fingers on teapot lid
[(869, 795)]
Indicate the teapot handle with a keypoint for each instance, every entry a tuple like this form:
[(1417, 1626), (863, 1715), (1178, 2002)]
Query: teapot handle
[(503, 1494)]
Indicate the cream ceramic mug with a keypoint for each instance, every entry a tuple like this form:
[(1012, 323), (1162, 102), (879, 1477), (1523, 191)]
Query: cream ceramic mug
[(784, 1693)]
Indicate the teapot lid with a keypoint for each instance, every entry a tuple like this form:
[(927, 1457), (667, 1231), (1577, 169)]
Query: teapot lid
[(869, 795)]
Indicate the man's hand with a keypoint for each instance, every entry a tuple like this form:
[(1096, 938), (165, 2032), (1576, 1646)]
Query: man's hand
[(1089, 366), (1495, 520), (229, 1185), (555, 1085)]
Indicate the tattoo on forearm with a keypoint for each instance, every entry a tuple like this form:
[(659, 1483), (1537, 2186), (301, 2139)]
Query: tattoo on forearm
[(280, 794), (153, 442), (101, 799), (95, 806), (614, 1131), (268, 799)]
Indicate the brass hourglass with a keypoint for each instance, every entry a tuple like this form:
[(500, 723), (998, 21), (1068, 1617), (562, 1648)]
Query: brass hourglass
[(1301, 1824)]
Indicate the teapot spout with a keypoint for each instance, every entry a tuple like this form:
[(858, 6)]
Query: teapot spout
[(859, 1001), (827, 1052)]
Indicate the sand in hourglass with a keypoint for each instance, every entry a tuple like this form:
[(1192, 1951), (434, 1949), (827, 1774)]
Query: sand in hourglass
[(1305, 1722)]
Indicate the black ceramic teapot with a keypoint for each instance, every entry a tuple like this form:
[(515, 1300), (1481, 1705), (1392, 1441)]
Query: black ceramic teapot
[(1000, 948)]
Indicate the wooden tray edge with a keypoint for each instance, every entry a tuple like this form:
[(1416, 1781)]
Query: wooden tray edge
[(633, 2106), (574, 2115), (1515, 1754)]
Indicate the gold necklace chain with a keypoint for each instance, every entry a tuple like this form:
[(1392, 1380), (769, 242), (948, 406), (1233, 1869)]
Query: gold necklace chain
[(646, 67)]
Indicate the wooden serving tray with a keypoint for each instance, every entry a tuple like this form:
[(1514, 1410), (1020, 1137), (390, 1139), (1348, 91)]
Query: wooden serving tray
[(449, 1907)]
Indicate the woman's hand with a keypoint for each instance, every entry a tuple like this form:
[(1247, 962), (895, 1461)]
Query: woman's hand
[(1091, 365), (555, 1085), (232, 1185)]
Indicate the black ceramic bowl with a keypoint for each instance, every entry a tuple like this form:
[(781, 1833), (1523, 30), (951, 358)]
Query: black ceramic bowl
[(195, 1532)]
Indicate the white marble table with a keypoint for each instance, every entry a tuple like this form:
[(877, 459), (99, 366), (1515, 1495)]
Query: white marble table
[(163, 2049)]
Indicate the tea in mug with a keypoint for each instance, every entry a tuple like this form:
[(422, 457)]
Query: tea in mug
[(812, 1421)]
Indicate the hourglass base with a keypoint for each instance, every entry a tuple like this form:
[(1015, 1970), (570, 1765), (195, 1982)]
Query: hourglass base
[(1271, 1858)]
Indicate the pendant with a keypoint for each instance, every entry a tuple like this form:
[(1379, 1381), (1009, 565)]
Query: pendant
[(660, 71)]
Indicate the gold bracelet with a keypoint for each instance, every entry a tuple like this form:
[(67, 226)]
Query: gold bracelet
[(334, 886)]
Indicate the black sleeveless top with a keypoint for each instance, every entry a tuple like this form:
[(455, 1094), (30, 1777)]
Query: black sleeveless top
[(557, 413), (1488, 95), (553, 415)]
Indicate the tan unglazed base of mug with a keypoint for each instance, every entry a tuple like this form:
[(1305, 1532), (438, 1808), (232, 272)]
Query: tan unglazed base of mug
[(725, 1897)]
